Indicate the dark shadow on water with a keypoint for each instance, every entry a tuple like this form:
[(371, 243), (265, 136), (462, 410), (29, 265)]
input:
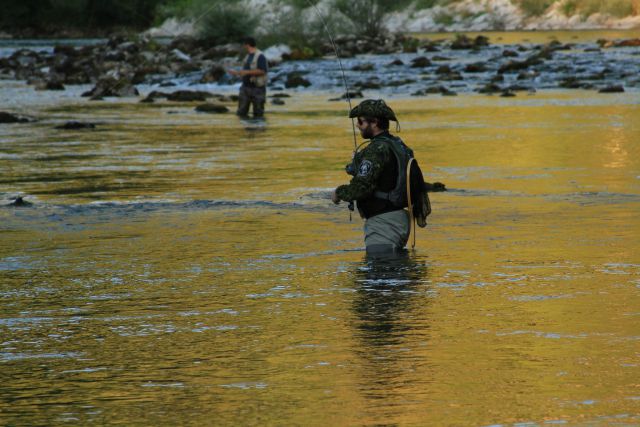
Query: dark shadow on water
[(391, 327), (385, 287)]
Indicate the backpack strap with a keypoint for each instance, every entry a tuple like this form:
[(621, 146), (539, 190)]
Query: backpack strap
[(412, 225)]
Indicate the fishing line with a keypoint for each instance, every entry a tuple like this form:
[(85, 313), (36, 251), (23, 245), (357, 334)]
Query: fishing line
[(344, 78)]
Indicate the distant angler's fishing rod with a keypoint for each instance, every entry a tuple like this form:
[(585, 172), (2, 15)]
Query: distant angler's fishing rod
[(344, 78)]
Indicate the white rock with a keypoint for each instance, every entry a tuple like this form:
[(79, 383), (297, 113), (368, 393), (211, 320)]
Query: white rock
[(172, 27), (274, 53), (181, 55)]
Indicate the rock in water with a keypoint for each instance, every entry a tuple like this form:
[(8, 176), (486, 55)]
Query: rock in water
[(110, 86), (420, 62), (11, 118), (19, 202), (295, 79), (212, 108), (73, 125), (612, 89), (189, 95)]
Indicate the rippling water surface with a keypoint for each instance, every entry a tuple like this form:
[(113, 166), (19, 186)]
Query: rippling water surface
[(186, 269)]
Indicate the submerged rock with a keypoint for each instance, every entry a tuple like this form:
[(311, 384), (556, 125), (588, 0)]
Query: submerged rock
[(368, 84), (212, 108), (420, 62), (434, 90), (612, 89), (111, 86), (507, 53), (490, 88), (49, 85), (295, 79), (189, 95), (19, 202), (478, 67), (444, 69), (73, 125), (620, 43), (348, 95), (464, 42), (570, 83), (12, 118), (212, 75), (367, 66)]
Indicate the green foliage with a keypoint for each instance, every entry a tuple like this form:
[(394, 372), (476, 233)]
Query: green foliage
[(292, 28), (410, 44), (301, 4), (427, 4), (366, 15), (173, 9), (569, 7), (534, 7), (224, 21), (617, 8), (444, 19), (78, 14), (620, 8), (24, 13)]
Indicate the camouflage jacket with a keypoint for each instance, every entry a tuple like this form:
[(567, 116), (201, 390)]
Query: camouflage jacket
[(372, 171)]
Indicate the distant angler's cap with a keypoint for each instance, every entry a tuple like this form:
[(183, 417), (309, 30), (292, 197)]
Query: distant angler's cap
[(373, 108)]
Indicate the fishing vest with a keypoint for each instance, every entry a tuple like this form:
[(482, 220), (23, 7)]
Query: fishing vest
[(257, 81), (408, 168), (403, 154), (386, 181)]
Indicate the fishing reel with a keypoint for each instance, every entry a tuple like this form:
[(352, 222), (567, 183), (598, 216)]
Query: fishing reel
[(351, 169)]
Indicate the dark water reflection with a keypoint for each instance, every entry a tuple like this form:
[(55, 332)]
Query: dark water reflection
[(391, 329), (386, 287)]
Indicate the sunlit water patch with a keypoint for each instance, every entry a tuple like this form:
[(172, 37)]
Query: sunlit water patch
[(184, 268)]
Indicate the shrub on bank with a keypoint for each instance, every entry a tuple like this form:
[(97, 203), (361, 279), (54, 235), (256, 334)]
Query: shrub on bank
[(224, 21), (585, 8)]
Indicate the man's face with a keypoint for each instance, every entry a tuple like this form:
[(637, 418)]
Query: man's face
[(365, 128)]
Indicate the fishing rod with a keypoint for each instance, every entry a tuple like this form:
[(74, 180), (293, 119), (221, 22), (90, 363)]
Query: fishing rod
[(344, 78), (350, 206)]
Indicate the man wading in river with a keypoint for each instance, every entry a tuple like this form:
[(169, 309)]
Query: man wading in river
[(379, 183), (254, 79)]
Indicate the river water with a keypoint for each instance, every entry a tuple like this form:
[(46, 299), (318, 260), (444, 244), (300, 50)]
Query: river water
[(178, 268)]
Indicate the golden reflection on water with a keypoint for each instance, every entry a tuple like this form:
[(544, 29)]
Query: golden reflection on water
[(253, 305)]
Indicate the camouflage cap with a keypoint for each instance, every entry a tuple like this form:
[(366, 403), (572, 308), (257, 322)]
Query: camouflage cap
[(373, 108)]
